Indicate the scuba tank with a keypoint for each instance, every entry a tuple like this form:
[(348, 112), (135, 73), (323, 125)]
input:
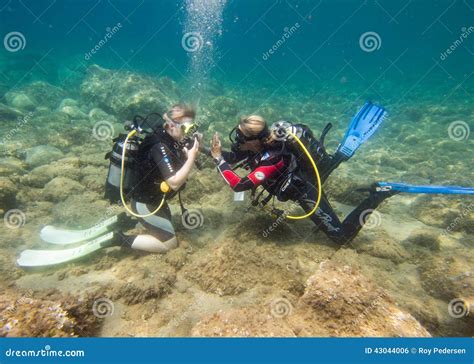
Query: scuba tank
[(294, 137), (132, 168), (132, 173)]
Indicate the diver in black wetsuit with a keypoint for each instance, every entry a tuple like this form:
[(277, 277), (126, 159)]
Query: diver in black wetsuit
[(164, 158), (273, 169)]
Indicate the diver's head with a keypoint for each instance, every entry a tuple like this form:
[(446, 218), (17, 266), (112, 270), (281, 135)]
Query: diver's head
[(178, 120), (251, 133)]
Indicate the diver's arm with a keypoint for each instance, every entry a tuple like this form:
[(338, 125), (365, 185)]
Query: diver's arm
[(253, 179), (175, 182), (233, 157)]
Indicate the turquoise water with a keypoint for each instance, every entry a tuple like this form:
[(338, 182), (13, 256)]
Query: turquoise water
[(66, 66)]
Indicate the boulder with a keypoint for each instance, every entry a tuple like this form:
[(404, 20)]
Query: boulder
[(42, 154), (338, 301), (126, 94), (7, 193), (60, 188)]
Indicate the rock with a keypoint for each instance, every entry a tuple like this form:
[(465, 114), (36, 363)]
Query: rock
[(126, 94), (81, 210), (380, 245), (233, 269), (74, 112), (426, 240), (20, 101), (9, 166), (7, 194), (242, 323), (68, 102), (224, 107), (452, 215), (60, 188), (97, 114), (144, 285), (31, 316), (338, 301), (45, 93), (39, 176), (448, 275), (42, 154), (9, 114)]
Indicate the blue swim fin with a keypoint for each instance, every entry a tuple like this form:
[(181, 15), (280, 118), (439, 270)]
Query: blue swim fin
[(407, 188), (362, 127)]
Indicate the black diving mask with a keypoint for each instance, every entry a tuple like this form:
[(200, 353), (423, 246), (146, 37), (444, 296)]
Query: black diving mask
[(237, 137)]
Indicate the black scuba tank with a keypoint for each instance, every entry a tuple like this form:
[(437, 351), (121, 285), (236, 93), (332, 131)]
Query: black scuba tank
[(131, 172)]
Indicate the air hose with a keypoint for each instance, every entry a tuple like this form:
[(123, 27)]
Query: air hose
[(164, 186), (318, 180)]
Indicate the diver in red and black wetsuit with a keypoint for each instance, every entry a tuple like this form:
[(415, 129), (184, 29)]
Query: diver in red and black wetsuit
[(270, 166)]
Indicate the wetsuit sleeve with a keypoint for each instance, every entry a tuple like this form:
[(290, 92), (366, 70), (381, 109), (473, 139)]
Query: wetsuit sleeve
[(233, 157), (266, 169), (162, 156)]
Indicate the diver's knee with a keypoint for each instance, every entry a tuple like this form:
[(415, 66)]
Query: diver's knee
[(151, 244)]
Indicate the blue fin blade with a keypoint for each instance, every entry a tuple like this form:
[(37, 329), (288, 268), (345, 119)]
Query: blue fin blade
[(442, 190), (362, 127)]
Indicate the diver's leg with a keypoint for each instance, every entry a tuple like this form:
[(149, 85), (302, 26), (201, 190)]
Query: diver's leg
[(162, 237), (358, 217), (324, 217)]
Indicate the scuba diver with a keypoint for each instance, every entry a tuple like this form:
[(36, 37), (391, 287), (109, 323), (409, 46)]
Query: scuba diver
[(291, 164), (149, 171)]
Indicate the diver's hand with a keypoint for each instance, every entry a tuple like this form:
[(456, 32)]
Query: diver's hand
[(192, 152), (216, 147)]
